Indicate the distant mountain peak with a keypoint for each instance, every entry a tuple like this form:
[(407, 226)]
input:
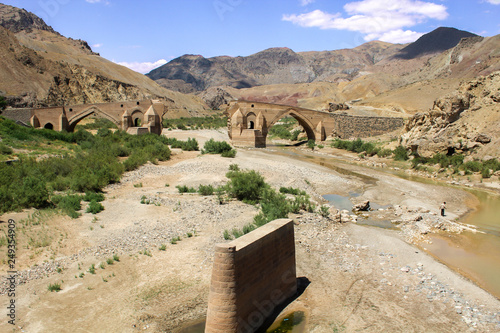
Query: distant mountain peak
[(438, 40), (17, 20)]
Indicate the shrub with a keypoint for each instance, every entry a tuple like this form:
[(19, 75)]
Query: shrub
[(473, 166), (110, 261), (216, 147), (230, 153), (95, 207), (69, 204), (93, 196), (291, 190), (226, 235), (115, 257), (324, 211), (248, 228), (245, 185), (54, 287), (206, 190), (311, 144), (185, 189), (163, 247), (236, 233), (400, 153), (92, 269)]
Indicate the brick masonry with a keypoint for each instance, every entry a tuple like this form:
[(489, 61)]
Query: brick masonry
[(251, 277), (349, 127)]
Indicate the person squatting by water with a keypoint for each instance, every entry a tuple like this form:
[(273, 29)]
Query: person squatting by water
[(442, 207)]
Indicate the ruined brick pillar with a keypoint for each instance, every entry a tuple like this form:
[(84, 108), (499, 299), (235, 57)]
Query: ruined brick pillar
[(222, 310), (251, 277)]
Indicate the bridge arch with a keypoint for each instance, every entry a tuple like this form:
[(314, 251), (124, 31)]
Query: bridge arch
[(303, 121), (93, 110)]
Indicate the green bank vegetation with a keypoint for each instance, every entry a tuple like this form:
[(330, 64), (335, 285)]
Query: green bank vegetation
[(454, 162), (195, 123), (51, 168)]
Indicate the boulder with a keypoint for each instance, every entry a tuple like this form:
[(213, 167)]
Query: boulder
[(362, 206)]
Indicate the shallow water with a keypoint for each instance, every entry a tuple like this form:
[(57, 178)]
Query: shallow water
[(474, 255), (294, 322)]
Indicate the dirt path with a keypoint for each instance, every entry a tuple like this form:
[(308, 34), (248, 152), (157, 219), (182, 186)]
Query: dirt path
[(361, 278)]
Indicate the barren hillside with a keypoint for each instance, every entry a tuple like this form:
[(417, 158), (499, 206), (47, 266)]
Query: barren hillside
[(41, 67)]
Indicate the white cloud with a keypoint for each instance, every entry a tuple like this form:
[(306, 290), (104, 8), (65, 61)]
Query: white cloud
[(376, 19), (399, 36), (306, 2), (143, 67), (494, 2), (106, 2), (98, 45)]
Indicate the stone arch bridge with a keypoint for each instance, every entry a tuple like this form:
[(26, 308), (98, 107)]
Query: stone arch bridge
[(249, 123), (135, 117)]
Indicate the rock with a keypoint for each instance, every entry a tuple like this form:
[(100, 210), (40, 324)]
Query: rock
[(362, 206), (482, 138)]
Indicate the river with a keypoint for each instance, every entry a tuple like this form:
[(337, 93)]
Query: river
[(473, 255)]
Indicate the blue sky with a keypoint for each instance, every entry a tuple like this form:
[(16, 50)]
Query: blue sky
[(144, 34)]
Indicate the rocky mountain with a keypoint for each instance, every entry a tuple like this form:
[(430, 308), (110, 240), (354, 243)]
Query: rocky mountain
[(465, 121), (194, 73), (40, 67), (439, 40), (391, 84), (191, 73)]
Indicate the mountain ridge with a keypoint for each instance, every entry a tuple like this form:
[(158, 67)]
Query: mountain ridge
[(40, 67), (281, 65)]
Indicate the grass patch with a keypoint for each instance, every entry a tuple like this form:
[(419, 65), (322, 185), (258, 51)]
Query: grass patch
[(54, 287)]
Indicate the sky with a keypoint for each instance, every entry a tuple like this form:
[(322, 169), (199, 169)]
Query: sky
[(144, 34)]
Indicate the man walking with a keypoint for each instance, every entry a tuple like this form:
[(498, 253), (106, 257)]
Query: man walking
[(443, 206)]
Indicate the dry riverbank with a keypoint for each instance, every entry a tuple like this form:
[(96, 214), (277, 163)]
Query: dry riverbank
[(361, 278)]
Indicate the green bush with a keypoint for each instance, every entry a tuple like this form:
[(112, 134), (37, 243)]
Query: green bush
[(190, 145), (54, 287), (311, 144), (216, 147), (206, 190), (69, 204), (185, 189), (95, 207), (230, 153), (245, 185), (401, 154), (473, 166), (291, 190), (92, 196)]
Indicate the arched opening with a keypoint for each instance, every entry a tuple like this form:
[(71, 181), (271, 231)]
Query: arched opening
[(289, 126), (137, 122), (251, 118), (48, 126), (94, 113)]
